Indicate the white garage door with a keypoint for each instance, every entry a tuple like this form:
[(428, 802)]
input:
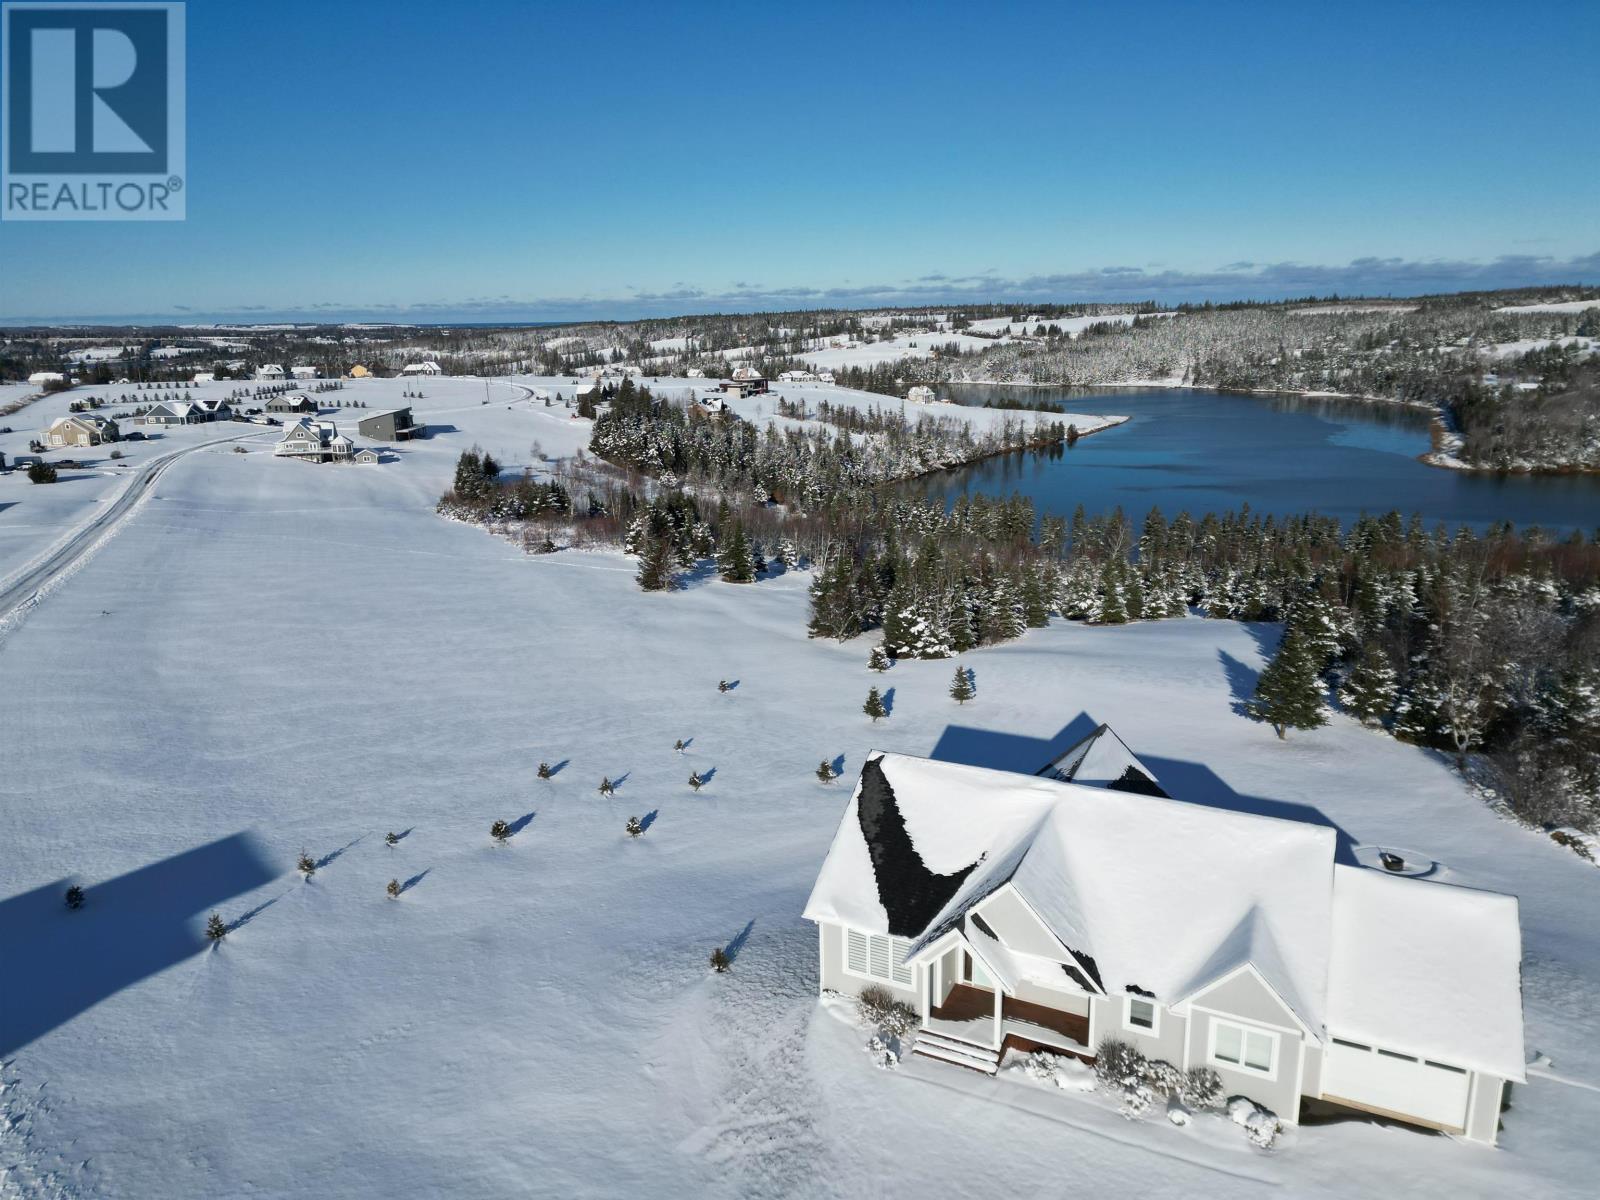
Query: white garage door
[(1373, 1077)]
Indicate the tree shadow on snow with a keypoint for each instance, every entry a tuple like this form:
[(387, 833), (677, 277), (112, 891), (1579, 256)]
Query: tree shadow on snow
[(1190, 782), (732, 684), (687, 742), (557, 768), (733, 948), (333, 855), (1241, 682), (707, 775), (414, 880), (837, 765), (702, 573), (520, 824), (129, 928), (888, 703), (648, 819)]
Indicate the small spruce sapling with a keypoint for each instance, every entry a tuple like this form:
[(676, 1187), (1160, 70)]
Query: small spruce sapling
[(307, 865), (722, 685), (678, 746), (500, 831), (391, 839), (544, 771), (607, 788), (825, 772), (393, 889), (633, 827), (874, 706), (720, 962), (961, 689), (216, 927), (878, 661), (74, 897), (695, 781)]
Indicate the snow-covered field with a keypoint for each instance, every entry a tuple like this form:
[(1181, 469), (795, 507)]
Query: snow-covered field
[(1561, 306), (272, 657)]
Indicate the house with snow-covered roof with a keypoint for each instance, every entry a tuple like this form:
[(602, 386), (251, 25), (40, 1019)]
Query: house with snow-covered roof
[(1080, 905), (81, 429), (315, 441), (426, 367), (269, 371)]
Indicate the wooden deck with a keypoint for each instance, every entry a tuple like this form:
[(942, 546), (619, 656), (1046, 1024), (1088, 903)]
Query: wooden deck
[(965, 1003)]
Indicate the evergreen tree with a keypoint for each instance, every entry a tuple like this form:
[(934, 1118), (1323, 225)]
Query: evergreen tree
[(500, 831), (391, 839), (607, 788), (656, 561), (735, 559), (307, 865), (216, 927), (1369, 691), (877, 660), (874, 706), (634, 829), (695, 781), (1289, 695), (825, 772), (544, 771), (74, 897), (720, 962), (393, 889), (961, 689)]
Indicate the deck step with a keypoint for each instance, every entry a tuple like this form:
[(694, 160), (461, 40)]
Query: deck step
[(957, 1052)]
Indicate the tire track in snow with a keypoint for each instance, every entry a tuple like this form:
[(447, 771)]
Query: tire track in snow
[(27, 586)]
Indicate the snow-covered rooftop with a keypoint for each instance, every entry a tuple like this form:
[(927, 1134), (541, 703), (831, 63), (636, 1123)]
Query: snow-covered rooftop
[(1428, 967)]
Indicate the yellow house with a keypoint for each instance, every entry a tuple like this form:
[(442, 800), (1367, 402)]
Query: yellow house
[(359, 372)]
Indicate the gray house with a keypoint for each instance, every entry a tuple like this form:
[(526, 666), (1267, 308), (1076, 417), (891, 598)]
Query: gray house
[(395, 425), (1057, 911), (294, 402)]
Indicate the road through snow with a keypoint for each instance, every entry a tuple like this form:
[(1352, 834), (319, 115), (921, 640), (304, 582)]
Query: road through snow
[(27, 585)]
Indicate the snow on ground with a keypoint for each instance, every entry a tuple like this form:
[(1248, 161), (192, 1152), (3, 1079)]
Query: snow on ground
[(1507, 349), (1563, 306), (302, 657)]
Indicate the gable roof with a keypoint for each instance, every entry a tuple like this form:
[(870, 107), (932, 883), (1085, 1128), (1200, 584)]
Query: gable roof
[(1428, 968), (1103, 760), (1147, 892)]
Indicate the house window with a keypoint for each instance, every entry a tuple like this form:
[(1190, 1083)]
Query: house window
[(877, 956), (1244, 1048), (1140, 1015)]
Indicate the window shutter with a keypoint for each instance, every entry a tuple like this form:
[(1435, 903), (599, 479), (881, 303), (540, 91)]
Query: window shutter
[(898, 948), (880, 957), (856, 951)]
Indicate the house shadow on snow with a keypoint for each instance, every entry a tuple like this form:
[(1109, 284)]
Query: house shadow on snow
[(1190, 782), (58, 962)]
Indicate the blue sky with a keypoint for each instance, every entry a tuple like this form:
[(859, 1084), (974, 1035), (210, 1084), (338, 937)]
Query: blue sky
[(515, 160)]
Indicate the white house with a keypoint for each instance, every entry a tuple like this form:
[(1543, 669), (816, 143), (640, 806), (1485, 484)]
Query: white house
[(269, 371), (694, 373), (712, 404), (40, 378), (314, 441), (303, 372), (824, 376), (1061, 910), (205, 376), (746, 373), (427, 367), (922, 395)]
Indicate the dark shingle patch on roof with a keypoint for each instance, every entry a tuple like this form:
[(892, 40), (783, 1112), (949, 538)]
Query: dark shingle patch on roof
[(911, 894), (1135, 780)]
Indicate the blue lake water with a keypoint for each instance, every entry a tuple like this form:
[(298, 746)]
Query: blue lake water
[(1214, 451)]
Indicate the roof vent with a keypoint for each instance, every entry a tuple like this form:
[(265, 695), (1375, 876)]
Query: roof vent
[(1391, 861)]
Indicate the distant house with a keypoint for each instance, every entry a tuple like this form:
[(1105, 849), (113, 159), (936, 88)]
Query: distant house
[(396, 425), (294, 402), (269, 371), (205, 376), (824, 376), (81, 429), (314, 441), (694, 373), (743, 387), (215, 409), (359, 372), (922, 395), (1081, 906), (427, 367), (303, 372), (367, 454), (714, 404), (746, 374), (40, 378), (173, 412)]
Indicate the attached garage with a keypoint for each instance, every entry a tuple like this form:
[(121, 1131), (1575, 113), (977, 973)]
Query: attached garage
[(1395, 1084)]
